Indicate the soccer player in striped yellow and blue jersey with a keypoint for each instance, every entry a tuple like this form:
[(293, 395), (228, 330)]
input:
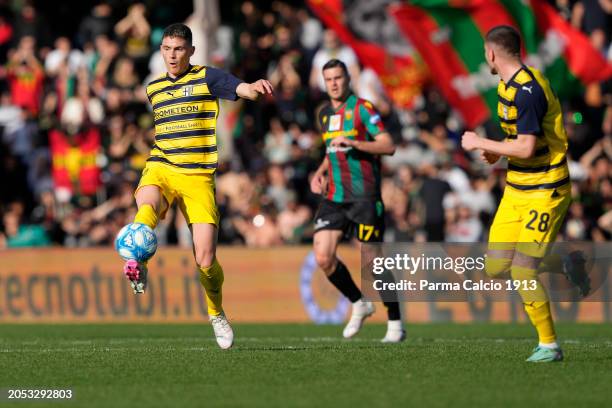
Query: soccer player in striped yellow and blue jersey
[(537, 192), (184, 159)]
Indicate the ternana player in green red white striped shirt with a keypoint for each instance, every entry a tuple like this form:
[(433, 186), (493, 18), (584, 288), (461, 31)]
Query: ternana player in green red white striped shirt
[(349, 181)]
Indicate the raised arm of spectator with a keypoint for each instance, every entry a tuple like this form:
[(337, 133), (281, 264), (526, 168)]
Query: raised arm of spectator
[(135, 19), (587, 159)]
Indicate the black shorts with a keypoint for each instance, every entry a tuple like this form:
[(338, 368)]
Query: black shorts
[(364, 220)]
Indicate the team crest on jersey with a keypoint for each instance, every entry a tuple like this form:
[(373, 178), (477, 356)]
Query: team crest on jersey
[(335, 122), (348, 115), (187, 90)]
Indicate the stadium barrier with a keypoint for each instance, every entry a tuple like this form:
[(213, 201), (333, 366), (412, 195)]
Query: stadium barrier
[(261, 285)]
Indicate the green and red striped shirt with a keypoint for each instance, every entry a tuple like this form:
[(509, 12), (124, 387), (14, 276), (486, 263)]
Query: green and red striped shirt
[(353, 175)]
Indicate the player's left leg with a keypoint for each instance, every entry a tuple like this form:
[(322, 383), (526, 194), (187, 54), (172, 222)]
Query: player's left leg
[(543, 218), (369, 227), (330, 226), (211, 278), (536, 304), (395, 327), (152, 199), (197, 202)]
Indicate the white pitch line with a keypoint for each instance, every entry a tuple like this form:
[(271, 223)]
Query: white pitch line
[(274, 340)]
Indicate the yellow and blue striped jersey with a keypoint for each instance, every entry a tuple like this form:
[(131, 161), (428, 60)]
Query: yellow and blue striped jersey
[(185, 111), (528, 105)]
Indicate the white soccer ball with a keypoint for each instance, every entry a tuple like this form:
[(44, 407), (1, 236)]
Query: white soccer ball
[(136, 241)]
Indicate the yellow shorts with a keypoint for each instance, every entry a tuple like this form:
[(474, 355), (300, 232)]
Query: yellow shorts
[(529, 222), (194, 193)]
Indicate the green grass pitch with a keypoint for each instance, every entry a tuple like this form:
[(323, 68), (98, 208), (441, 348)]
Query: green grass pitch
[(457, 365)]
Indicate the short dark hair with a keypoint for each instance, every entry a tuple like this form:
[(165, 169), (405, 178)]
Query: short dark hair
[(334, 63), (506, 37), (178, 30)]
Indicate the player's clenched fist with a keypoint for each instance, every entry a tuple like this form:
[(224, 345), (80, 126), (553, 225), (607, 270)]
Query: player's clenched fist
[(342, 141), (489, 158)]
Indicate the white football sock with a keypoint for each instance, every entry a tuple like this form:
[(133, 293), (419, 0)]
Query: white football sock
[(549, 345)]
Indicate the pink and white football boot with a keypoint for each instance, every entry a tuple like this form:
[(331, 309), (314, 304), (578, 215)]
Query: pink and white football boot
[(137, 274)]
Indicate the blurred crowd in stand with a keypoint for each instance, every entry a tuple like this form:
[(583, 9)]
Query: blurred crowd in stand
[(76, 129)]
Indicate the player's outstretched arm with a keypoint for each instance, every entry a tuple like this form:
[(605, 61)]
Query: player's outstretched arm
[(382, 144), (255, 89), (521, 148)]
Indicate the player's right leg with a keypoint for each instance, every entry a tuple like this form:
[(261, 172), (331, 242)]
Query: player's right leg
[(325, 246), (151, 203), (503, 235), (572, 266)]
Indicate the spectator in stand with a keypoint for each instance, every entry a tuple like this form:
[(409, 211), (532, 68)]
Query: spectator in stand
[(6, 36), (464, 225), (277, 147), (29, 23), (98, 23), (17, 234), (330, 49), (294, 220), (432, 193), (25, 76), (134, 30), (96, 70), (62, 54)]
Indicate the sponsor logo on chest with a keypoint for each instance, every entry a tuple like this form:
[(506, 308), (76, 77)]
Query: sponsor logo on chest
[(335, 123)]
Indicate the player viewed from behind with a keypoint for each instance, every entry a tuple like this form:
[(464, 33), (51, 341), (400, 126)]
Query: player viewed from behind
[(349, 180), (184, 159), (537, 192)]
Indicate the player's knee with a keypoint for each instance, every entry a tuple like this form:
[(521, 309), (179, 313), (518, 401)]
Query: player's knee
[(205, 258), (497, 267), (325, 261)]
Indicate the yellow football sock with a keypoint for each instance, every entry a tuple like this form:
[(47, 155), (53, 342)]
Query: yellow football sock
[(539, 314), (535, 302), (498, 267), (147, 215), (211, 279)]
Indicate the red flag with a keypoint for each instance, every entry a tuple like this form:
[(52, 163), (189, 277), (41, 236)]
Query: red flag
[(581, 57), (443, 60), (449, 36)]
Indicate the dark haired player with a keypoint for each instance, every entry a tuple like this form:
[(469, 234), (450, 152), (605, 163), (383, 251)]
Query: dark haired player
[(184, 159), (537, 192), (355, 139)]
